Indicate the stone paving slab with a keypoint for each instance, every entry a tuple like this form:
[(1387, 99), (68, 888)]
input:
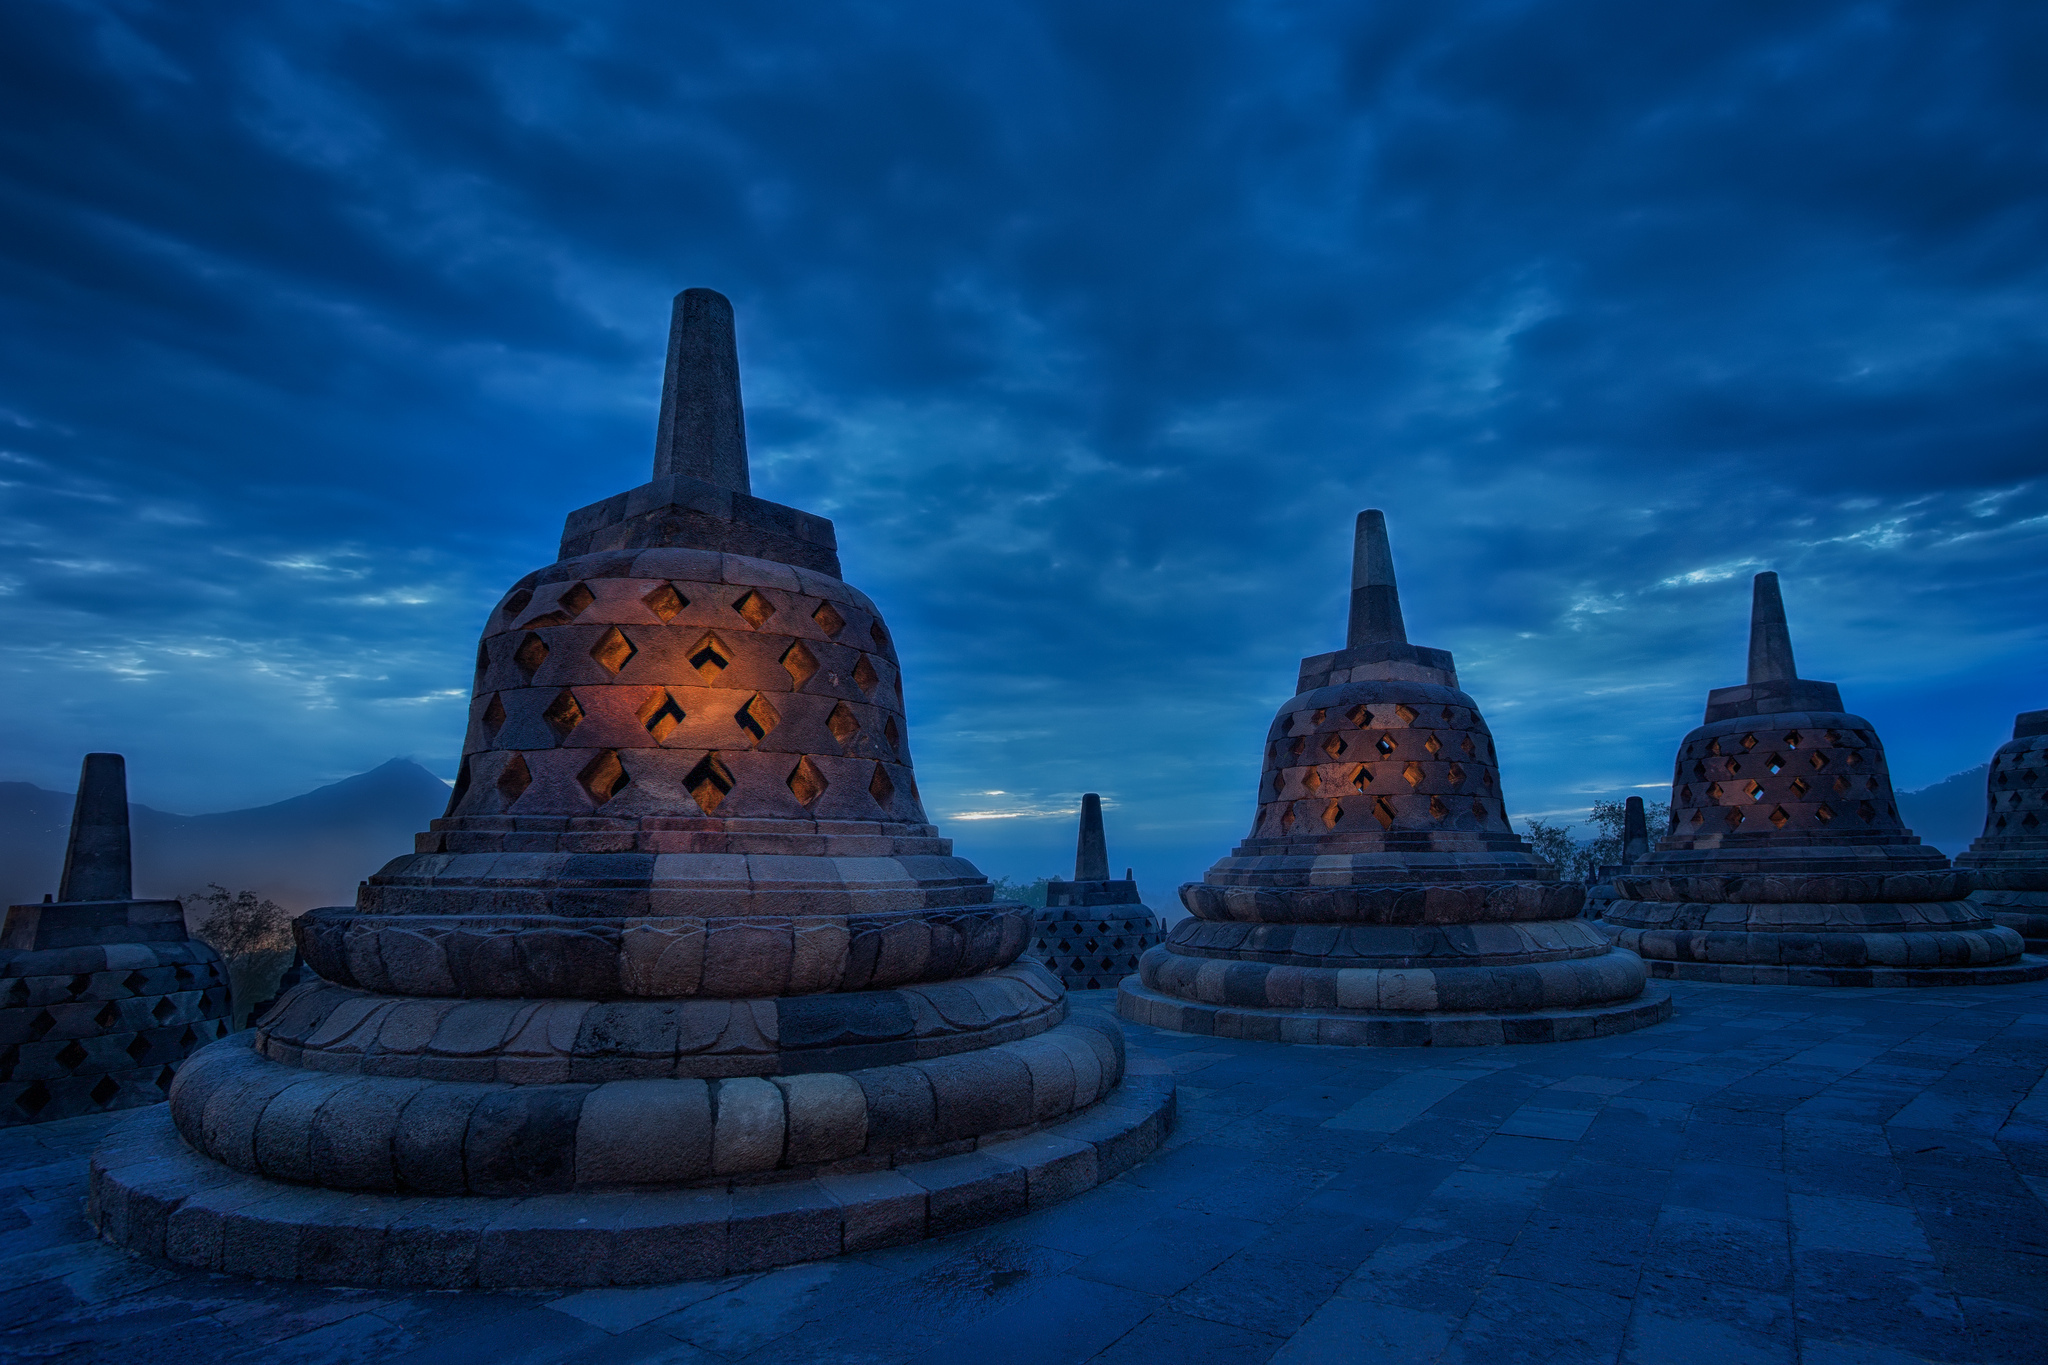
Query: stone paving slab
[(1774, 1174)]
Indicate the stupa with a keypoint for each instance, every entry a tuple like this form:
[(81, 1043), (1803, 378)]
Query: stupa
[(102, 995), (1785, 861), (1382, 898), (1635, 842), (1093, 929), (2008, 864), (684, 983)]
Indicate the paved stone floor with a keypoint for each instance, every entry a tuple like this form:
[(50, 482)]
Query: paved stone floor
[(1777, 1174)]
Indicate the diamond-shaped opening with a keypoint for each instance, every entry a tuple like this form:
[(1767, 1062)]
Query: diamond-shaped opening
[(1359, 716), (1360, 777), (188, 1037), (1867, 812), (613, 650), (710, 658), (757, 717), (1870, 783), (164, 1010), (1316, 717), (531, 654), (1793, 739), (137, 1049), (1775, 764), (1486, 778), (516, 603), (1457, 775), (1841, 783), (1699, 817), (105, 1091), (1413, 772), (665, 602), (1755, 790), (604, 776), (1733, 816), (107, 1016), (1383, 811), (1478, 809), (864, 675), (1433, 744), (828, 619), (516, 778), (79, 985), (568, 607), (800, 663), (1334, 746), (1385, 746), (40, 1025), (1407, 713), (164, 1079), (881, 788), (493, 717), (1685, 796), (1295, 747), (755, 608), (1799, 787), (806, 783), (661, 716), (131, 983), (2029, 821), (1312, 781), (483, 656), (1437, 809), (1714, 747), (1779, 818), (71, 1054), (34, 1099), (1734, 767), (1471, 749), (1287, 818), (563, 714), (1834, 737), (1333, 815), (842, 723), (894, 734), (1714, 793), (708, 783), (878, 634), (1748, 742), (1699, 770)]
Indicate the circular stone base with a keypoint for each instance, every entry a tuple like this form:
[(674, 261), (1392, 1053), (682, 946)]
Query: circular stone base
[(1141, 1005), (152, 1194), (2028, 968)]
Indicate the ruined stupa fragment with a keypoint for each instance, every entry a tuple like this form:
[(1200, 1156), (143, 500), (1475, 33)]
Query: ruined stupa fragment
[(102, 996), (683, 984), (1382, 898), (1635, 842), (1785, 861), (2008, 864), (1093, 929)]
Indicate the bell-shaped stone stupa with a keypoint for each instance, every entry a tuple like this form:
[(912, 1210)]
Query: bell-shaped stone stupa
[(1382, 898), (1785, 861), (684, 983), (101, 995), (1093, 929), (2009, 863)]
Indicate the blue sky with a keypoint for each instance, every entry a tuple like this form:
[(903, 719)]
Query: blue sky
[(1091, 326)]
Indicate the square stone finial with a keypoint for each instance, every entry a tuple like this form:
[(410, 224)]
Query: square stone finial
[(702, 433)]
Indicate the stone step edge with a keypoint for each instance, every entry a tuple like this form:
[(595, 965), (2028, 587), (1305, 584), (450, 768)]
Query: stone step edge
[(1139, 1004), (2030, 967), (153, 1195)]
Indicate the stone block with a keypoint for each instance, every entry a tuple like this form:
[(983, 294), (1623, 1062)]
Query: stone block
[(645, 1132), (749, 1126)]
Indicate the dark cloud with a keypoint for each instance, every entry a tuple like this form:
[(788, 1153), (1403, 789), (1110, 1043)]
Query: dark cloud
[(1091, 325)]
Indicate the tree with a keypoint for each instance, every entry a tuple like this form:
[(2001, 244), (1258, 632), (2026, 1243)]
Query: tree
[(235, 924), (1579, 859), (1029, 893)]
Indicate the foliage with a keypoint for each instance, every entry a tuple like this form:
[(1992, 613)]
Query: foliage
[(235, 924), (1580, 859), (1030, 893)]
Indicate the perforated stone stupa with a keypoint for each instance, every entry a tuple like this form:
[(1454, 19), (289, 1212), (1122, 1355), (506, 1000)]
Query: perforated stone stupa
[(1785, 860), (101, 995), (2008, 864), (1092, 929), (1382, 898), (684, 983)]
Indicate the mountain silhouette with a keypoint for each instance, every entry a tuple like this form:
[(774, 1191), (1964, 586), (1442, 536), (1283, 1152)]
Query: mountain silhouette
[(1950, 813), (306, 851)]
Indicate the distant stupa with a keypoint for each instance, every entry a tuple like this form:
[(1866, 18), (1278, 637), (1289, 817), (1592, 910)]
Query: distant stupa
[(684, 932), (2008, 864), (1785, 861), (1382, 898), (1093, 929), (102, 996)]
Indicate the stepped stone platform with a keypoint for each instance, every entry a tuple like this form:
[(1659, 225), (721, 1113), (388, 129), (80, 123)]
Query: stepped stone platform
[(2008, 864), (102, 996), (1382, 899), (683, 982), (1785, 861), (1783, 1174), (1093, 930)]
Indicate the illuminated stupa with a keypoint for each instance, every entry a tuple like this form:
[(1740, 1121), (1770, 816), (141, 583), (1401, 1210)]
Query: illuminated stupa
[(2008, 864), (102, 996), (684, 984), (1093, 929), (1785, 861), (1382, 898)]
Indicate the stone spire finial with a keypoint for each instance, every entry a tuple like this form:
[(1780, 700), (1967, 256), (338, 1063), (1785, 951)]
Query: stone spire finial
[(96, 865), (1091, 850), (703, 428), (1770, 640), (1375, 602), (1635, 831)]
